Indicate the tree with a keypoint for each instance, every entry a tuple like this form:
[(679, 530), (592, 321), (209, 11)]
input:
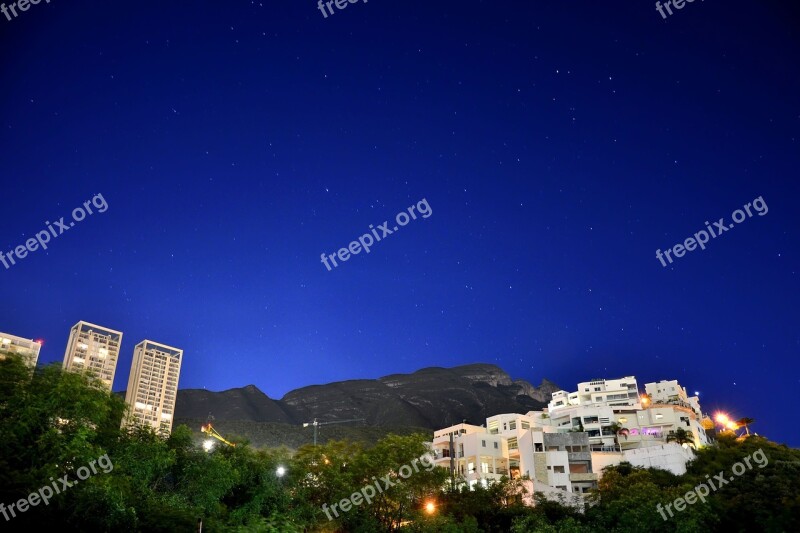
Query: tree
[(616, 429), (745, 422), (398, 457), (765, 497), (681, 436)]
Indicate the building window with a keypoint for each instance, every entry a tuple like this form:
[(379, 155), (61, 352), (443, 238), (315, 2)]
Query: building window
[(526, 425), (496, 446), (483, 443), (484, 468), (558, 469), (512, 443), (512, 425)]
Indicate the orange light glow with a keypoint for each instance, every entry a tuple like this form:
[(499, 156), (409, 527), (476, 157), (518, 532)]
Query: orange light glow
[(430, 507), (722, 419)]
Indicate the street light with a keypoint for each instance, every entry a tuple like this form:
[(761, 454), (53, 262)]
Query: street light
[(280, 471), (722, 419), (208, 445), (430, 507)]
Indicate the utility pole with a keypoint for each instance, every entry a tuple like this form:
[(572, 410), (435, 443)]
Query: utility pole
[(316, 423), (452, 464)]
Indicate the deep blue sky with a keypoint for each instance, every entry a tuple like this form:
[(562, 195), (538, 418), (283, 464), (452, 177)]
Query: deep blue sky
[(558, 144)]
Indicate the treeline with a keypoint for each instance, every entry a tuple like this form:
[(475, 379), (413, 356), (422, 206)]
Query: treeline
[(273, 435), (55, 424)]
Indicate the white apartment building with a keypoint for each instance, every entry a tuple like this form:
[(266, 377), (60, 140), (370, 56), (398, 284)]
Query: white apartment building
[(646, 421), (512, 427), (671, 393), (28, 349), (476, 456), (558, 465), (623, 392), (563, 448), (560, 461), (153, 384), (93, 349)]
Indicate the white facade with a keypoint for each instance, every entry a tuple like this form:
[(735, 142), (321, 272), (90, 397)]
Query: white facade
[(558, 460), (563, 449), (28, 349), (667, 456), (477, 456), (645, 421), (153, 384), (671, 393), (512, 427), (611, 392), (558, 465), (93, 349)]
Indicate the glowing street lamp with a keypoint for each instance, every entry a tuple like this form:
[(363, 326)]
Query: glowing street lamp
[(280, 471), (208, 445), (722, 419), (430, 507)]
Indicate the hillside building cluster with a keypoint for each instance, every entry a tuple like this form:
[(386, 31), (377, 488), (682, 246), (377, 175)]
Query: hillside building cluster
[(563, 448)]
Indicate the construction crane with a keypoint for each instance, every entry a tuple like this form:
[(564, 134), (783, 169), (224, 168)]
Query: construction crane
[(316, 423), (209, 429)]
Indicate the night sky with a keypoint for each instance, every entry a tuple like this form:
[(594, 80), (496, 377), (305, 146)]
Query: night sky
[(558, 145)]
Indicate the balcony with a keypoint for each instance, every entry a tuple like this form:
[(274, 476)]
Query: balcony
[(583, 477), (579, 456)]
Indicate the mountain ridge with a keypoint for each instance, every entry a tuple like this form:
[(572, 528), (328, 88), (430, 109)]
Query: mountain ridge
[(431, 397)]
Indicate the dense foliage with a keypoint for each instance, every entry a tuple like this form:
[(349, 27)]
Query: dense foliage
[(53, 423)]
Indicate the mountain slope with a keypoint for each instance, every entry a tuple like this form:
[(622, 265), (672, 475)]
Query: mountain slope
[(429, 398)]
